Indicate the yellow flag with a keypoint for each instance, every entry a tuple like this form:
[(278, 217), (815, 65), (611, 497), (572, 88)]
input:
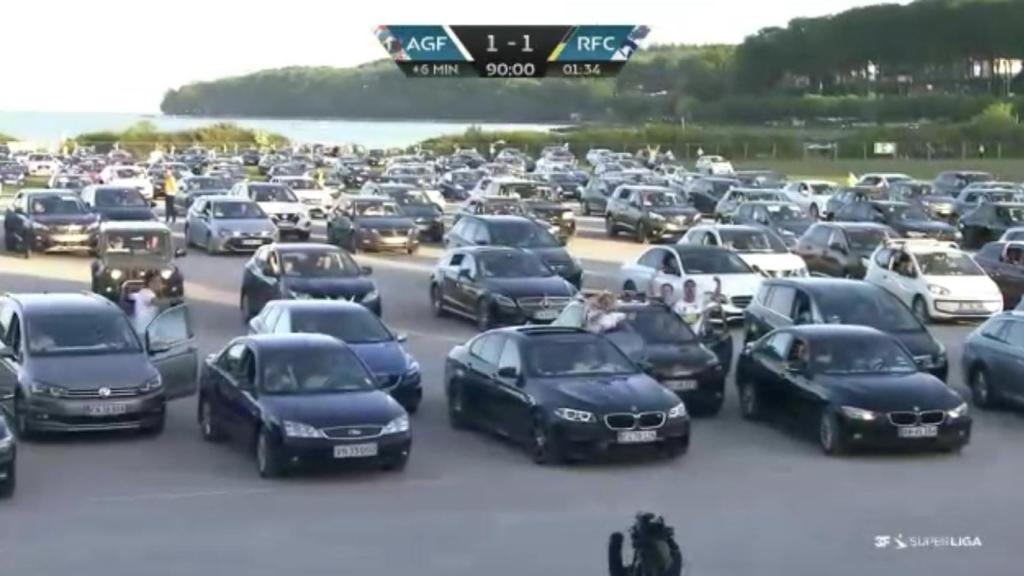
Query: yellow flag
[(851, 179)]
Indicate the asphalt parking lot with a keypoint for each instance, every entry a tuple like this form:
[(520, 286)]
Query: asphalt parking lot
[(747, 499)]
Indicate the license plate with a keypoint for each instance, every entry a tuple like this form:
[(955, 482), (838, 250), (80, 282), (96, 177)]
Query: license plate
[(251, 242), (106, 409), (681, 385), (355, 451), (546, 314), (971, 306), (69, 238), (918, 432), (637, 436), (395, 240)]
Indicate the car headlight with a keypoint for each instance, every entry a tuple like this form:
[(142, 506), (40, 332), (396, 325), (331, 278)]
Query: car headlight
[(958, 235), (505, 301), (657, 217), (411, 365), (677, 411), (958, 412), (224, 233), (92, 227), (397, 426), (154, 383), (371, 295), (300, 430), (6, 442), (40, 226), (166, 273), (267, 232), (568, 215), (115, 274), (573, 415), (854, 413), (938, 290), (45, 389)]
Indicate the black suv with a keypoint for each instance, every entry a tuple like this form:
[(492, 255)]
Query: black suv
[(649, 213), (841, 249), (49, 221), (127, 251), (517, 232), (784, 302)]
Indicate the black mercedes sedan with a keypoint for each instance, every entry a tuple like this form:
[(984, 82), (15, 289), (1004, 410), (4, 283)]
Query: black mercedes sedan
[(303, 272), (855, 386), (300, 399), (496, 285), (562, 392), (992, 364)]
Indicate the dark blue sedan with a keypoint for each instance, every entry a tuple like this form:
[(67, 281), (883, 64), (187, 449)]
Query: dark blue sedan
[(993, 361)]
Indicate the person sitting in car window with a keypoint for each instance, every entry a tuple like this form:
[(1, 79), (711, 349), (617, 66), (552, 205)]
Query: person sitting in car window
[(904, 266), (799, 354), (670, 266), (279, 379), (600, 314), (38, 207)]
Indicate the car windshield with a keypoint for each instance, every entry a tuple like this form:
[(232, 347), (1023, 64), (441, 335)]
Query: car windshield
[(865, 239), (272, 193), (905, 212), (1014, 215), (660, 199), (355, 325), (659, 325), (154, 243), (203, 183), (237, 211), (302, 184), (120, 198), (512, 265), (319, 264), (713, 262), (52, 204), (312, 370), (999, 196), (786, 213), (867, 307), (720, 187), (71, 333), (865, 355), (522, 190), (820, 188), (503, 208), (410, 198), (526, 234), (466, 178), (376, 209), (574, 355), (908, 191), (128, 173), (947, 264), (407, 171), (752, 241)]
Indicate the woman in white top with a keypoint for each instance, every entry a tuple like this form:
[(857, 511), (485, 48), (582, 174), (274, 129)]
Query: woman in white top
[(147, 303)]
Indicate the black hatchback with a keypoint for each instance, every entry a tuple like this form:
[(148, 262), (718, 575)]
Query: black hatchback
[(562, 392), (785, 302)]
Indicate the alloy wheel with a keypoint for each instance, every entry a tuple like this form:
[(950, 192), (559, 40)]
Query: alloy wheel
[(981, 393)]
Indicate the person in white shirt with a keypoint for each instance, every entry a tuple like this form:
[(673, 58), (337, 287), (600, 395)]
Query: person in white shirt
[(146, 302), (600, 314)]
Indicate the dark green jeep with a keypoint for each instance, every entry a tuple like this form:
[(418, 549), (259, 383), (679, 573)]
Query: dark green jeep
[(126, 251)]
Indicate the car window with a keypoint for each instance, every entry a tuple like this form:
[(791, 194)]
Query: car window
[(709, 239), (479, 233), (270, 315), (837, 238), (231, 361), (777, 346), (489, 349), (780, 300), (468, 263), (6, 317), (459, 229), (997, 330), (510, 356), (819, 235), (455, 260), (882, 258), (652, 259)]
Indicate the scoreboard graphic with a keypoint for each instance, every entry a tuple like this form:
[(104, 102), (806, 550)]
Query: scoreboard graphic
[(588, 51)]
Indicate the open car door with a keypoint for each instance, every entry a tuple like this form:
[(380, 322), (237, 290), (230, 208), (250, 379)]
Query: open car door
[(171, 346), (715, 336)]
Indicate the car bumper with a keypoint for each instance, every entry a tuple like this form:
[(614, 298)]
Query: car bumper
[(588, 440), (697, 390), (509, 315), (62, 241), (308, 451), (171, 290), (430, 230), (386, 243), (669, 232), (882, 434), (73, 415), (964, 309), (235, 244), (290, 230), (408, 392)]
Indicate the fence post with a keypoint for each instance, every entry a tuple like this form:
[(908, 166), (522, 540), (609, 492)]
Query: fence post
[(865, 147), (745, 151), (928, 150), (775, 151), (963, 150), (999, 150)]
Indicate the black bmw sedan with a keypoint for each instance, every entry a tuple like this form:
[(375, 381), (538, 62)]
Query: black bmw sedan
[(562, 392), (300, 399), (854, 385), (304, 272)]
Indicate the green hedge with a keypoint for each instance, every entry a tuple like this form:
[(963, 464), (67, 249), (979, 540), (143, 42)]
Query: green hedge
[(144, 137), (760, 109)]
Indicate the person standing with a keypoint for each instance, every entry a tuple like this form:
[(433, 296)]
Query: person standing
[(146, 302), (170, 191)]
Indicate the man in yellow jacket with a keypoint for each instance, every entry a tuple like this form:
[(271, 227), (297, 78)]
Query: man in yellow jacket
[(170, 191)]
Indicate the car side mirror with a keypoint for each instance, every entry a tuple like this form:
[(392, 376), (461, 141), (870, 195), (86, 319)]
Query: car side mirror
[(6, 352), (464, 273), (180, 252), (268, 271), (796, 367), (401, 338), (256, 326), (837, 247), (155, 347), (508, 372), (366, 270)]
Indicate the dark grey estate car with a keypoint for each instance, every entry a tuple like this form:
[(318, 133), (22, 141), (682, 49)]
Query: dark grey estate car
[(74, 363)]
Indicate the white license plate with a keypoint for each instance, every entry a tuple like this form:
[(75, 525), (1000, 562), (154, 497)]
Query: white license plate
[(395, 240), (637, 436), (113, 409), (69, 238), (918, 432), (681, 385), (971, 306), (251, 242), (546, 314), (355, 450)]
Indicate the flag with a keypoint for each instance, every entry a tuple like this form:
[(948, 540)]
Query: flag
[(851, 179)]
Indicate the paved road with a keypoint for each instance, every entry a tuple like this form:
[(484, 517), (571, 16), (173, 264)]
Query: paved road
[(747, 499)]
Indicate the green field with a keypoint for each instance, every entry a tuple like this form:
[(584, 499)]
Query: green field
[(924, 169)]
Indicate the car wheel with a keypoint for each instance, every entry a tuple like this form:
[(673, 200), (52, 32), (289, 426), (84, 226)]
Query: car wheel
[(585, 208), (437, 300), (456, 409), (543, 448), (207, 427), (7, 486), (268, 460), (830, 435), (484, 316), (245, 305), (642, 236), (750, 401), (982, 394), (609, 227), (920, 309)]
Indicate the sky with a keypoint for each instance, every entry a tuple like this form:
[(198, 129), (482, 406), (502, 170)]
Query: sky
[(122, 55)]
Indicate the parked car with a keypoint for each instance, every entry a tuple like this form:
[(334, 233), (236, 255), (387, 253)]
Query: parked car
[(41, 164), (455, 185), (1003, 261), (65, 181), (908, 220), (760, 179), (853, 386), (414, 204), (49, 221), (562, 393), (937, 206), (989, 221), (649, 213), (951, 182), (785, 219), (841, 249), (371, 223), (117, 203), (127, 251), (991, 361), (317, 199), (881, 179), (758, 246), (282, 206), (12, 173), (128, 176), (228, 224), (840, 198), (975, 195), (706, 192), (811, 195), (713, 165), (737, 196)]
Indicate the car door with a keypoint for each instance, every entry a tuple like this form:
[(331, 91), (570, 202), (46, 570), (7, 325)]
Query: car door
[(481, 367), (262, 275), (813, 248), (446, 277), (779, 307), (803, 396), (670, 271), (509, 402), (715, 336), (220, 387), (466, 290), (172, 349), (879, 272), (768, 368), (15, 219), (835, 253), (903, 281), (10, 354), (1012, 365)]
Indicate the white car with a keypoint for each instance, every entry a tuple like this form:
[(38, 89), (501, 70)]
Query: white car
[(1015, 234), (39, 164), (811, 195), (283, 207), (762, 250), (317, 199), (129, 177), (881, 179), (596, 156), (935, 279), (713, 165), (675, 264)]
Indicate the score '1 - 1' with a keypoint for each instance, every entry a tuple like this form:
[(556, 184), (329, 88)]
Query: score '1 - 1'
[(491, 47)]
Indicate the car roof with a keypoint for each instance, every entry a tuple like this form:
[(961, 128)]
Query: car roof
[(646, 188), (304, 247), (820, 285), (543, 330), (225, 198), (834, 331), (366, 198), (1007, 204), (884, 203), (731, 227), (855, 225), (48, 192), (134, 225), (294, 341), (500, 218), (695, 249), (56, 302), (771, 203), (489, 250), (320, 304)]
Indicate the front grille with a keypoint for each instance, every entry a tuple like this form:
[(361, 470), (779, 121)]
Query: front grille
[(644, 420), (533, 303), (930, 417), (392, 233), (359, 432), (741, 301), (95, 393), (286, 217)]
